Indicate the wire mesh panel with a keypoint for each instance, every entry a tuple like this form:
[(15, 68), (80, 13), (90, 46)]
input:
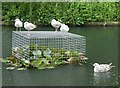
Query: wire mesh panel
[(25, 43)]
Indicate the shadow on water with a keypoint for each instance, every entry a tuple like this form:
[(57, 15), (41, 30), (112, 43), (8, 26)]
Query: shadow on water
[(101, 47)]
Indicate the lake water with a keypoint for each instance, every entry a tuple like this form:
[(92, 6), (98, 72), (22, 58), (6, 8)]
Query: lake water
[(101, 47)]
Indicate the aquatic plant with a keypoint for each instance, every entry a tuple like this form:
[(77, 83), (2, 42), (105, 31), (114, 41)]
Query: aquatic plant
[(42, 57)]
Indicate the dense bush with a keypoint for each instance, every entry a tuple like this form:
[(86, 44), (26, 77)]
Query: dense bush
[(75, 13)]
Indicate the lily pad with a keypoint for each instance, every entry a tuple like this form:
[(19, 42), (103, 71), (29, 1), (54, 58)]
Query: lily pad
[(21, 69), (8, 64), (56, 55), (10, 68), (16, 64), (67, 53), (48, 57), (41, 67), (3, 60), (27, 61), (46, 62), (50, 67), (47, 52), (37, 62), (37, 52)]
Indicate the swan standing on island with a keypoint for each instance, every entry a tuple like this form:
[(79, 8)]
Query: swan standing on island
[(55, 24), (102, 67), (18, 24)]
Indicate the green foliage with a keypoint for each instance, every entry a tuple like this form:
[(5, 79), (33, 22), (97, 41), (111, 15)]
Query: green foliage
[(76, 13)]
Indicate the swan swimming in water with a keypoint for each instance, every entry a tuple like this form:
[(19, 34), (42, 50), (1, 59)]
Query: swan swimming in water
[(18, 24), (55, 24), (102, 67)]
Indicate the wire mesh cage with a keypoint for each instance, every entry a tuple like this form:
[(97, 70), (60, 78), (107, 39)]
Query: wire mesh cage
[(34, 43)]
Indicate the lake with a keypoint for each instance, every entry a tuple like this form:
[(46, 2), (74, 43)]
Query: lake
[(101, 47)]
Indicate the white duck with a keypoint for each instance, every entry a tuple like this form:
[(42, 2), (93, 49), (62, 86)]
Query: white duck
[(64, 28), (102, 67), (29, 26), (18, 24), (55, 24)]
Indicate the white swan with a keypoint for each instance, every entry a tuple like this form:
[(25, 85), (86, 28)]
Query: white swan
[(64, 28), (102, 67), (55, 24), (29, 26), (18, 24)]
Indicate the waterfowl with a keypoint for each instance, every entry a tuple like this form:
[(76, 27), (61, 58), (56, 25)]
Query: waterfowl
[(102, 67), (64, 28), (55, 24), (18, 24), (29, 26)]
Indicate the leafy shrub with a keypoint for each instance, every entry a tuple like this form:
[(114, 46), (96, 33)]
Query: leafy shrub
[(75, 13)]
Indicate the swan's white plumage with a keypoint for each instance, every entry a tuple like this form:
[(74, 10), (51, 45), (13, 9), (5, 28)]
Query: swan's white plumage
[(18, 23), (29, 26), (102, 67), (64, 28), (55, 24)]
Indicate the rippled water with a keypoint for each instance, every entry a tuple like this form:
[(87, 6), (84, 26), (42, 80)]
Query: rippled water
[(101, 47)]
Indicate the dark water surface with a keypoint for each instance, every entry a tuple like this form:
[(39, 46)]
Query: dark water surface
[(101, 47)]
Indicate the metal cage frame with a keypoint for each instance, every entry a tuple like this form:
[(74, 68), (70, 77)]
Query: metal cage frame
[(51, 39)]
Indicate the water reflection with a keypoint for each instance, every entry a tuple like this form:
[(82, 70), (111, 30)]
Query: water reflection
[(101, 78)]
